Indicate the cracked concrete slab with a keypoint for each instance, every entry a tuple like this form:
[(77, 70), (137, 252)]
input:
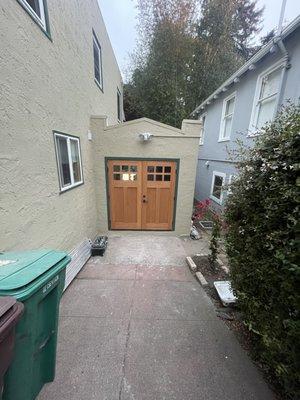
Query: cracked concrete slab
[(94, 270), (188, 360), (165, 273), (136, 325), (97, 298), (171, 300), (144, 250), (89, 360)]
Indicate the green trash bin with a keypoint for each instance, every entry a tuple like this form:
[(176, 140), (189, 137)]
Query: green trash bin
[(35, 278)]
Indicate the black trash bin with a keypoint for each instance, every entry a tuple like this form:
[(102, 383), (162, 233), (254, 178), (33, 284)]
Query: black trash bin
[(10, 313)]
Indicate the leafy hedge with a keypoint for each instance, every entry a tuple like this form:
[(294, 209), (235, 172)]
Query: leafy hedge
[(262, 214)]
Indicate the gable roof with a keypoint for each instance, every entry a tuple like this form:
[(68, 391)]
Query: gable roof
[(250, 64)]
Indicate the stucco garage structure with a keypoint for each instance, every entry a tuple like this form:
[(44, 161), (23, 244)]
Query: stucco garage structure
[(50, 87), (169, 147)]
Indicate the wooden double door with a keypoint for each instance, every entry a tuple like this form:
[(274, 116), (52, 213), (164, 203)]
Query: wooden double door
[(141, 194)]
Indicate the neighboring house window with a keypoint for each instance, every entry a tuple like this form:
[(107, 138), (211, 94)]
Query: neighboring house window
[(227, 116), (119, 105), (68, 160), (202, 133), (266, 98), (216, 192), (37, 9), (97, 62)]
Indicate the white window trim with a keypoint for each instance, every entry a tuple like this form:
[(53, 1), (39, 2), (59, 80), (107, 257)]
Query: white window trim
[(119, 96), (253, 131), (95, 41), (69, 138), (40, 20), (222, 175), (201, 139), (222, 124)]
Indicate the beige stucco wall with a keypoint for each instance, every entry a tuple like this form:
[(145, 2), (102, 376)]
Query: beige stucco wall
[(168, 142), (49, 85)]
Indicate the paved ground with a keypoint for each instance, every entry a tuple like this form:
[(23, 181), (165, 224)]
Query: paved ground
[(135, 325)]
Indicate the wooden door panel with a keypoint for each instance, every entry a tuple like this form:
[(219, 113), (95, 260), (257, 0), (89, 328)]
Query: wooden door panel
[(164, 205), (118, 204), (141, 194), (125, 186), (151, 206), (132, 202), (158, 195)]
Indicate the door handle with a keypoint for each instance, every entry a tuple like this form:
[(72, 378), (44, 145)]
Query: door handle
[(145, 199)]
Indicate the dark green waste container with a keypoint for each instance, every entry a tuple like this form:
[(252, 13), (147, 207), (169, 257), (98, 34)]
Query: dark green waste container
[(35, 278)]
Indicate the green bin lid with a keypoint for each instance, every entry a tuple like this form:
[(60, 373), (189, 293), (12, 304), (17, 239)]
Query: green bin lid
[(18, 269)]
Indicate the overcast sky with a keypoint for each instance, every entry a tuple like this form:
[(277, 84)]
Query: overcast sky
[(120, 20)]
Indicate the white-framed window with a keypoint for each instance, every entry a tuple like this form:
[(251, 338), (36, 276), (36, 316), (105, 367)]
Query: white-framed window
[(227, 117), (217, 184), (98, 75), (202, 132), (36, 8), (266, 97), (68, 160), (119, 105)]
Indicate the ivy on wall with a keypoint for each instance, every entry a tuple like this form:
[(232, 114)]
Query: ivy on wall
[(262, 214)]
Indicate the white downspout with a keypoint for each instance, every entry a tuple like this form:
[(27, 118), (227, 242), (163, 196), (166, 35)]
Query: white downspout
[(280, 22), (286, 66), (280, 44)]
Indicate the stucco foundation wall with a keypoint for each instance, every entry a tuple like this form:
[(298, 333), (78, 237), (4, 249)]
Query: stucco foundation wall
[(44, 86), (167, 142)]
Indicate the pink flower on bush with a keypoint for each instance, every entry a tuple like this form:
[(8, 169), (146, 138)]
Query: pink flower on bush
[(201, 209)]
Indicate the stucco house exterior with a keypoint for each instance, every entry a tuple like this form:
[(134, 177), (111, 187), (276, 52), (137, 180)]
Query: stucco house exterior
[(241, 105), (71, 168)]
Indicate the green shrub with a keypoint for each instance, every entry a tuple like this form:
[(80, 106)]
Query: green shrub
[(214, 246), (262, 241)]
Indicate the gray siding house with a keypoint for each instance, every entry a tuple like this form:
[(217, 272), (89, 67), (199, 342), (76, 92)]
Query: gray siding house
[(240, 106)]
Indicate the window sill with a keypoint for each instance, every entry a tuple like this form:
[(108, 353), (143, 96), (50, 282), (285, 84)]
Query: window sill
[(218, 201), (223, 140), (254, 134), (98, 84), (45, 30), (67, 189)]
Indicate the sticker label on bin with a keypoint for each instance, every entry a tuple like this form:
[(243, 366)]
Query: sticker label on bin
[(6, 262), (50, 284)]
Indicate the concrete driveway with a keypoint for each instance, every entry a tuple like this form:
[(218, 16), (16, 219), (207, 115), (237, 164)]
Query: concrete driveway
[(135, 325)]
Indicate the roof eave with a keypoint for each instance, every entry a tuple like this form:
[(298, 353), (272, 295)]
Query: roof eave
[(251, 62)]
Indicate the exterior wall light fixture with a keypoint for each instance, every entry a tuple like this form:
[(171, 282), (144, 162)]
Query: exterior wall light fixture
[(90, 135), (145, 137)]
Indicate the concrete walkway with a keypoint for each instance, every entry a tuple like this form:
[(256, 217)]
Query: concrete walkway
[(135, 325)]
